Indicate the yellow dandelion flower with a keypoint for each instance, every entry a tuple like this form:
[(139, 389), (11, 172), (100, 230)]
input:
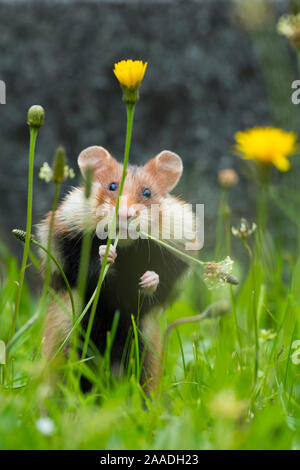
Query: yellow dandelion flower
[(130, 73), (267, 145)]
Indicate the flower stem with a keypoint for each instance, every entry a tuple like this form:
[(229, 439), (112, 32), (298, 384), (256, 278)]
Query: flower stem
[(236, 323), (130, 115), (49, 243), (253, 307), (83, 268), (223, 223), (262, 208), (36, 316), (226, 276), (85, 310), (215, 310), (298, 59), (85, 252), (173, 249), (33, 137), (59, 267)]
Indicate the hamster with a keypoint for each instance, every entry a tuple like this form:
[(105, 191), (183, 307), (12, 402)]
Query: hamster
[(137, 264)]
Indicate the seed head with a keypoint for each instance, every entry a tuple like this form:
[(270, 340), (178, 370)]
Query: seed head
[(59, 163), (217, 274), (21, 235), (46, 173), (244, 230)]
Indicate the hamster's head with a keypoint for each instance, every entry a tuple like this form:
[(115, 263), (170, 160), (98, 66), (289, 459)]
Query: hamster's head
[(145, 192)]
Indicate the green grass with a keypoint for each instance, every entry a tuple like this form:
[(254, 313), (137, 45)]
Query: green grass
[(230, 382), (209, 397)]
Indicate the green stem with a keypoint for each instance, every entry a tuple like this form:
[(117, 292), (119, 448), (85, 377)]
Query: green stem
[(228, 234), (214, 310), (22, 331), (49, 243), (173, 249), (298, 59), (85, 251), (83, 268), (256, 361), (44, 298), (84, 312), (136, 344), (223, 223), (33, 137), (81, 282), (236, 323), (226, 276), (262, 208), (130, 115), (36, 316), (59, 267)]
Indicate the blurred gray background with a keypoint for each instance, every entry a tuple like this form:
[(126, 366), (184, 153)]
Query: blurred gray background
[(209, 75)]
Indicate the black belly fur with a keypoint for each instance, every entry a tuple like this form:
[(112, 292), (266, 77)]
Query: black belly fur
[(120, 288)]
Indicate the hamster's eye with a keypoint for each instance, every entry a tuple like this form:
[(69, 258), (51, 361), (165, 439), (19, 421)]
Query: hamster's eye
[(147, 192), (113, 186)]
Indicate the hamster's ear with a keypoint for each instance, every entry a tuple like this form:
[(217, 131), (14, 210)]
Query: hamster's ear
[(166, 168), (97, 158)]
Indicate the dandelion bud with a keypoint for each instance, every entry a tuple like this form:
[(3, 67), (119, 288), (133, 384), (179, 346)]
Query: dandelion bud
[(59, 163), (35, 116), (21, 235), (130, 74), (228, 178)]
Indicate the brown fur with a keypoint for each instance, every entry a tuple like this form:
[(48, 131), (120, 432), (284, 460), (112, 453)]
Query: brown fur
[(57, 325), (153, 357)]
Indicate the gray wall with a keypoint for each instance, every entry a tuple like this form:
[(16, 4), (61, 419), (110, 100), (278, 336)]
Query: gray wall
[(204, 82)]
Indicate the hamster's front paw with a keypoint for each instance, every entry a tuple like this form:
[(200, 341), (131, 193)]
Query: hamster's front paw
[(149, 282), (112, 253)]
